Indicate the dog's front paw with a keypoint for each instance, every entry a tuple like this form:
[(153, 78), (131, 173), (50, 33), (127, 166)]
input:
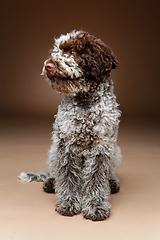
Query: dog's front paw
[(68, 208), (96, 213)]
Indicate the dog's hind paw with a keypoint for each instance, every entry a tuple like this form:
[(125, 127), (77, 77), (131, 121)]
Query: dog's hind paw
[(49, 185), (114, 186)]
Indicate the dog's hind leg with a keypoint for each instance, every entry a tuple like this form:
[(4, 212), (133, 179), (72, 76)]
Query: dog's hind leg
[(49, 185), (113, 179)]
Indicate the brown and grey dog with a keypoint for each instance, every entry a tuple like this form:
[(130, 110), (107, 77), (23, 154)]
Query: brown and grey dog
[(84, 156)]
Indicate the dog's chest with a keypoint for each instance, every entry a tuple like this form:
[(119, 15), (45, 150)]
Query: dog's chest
[(82, 126), (77, 124)]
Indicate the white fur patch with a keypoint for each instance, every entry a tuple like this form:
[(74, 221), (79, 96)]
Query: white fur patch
[(64, 38), (30, 177), (65, 62), (24, 177), (43, 69)]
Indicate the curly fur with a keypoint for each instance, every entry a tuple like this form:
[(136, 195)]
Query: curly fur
[(84, 156)]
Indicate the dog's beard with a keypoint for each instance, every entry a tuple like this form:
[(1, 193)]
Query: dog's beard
[(69, 86), (63, 80)]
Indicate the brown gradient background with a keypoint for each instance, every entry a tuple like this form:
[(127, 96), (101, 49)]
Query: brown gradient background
[(131, 28), (27, 106)]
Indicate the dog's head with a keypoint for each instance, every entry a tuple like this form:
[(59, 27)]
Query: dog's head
[(78, 61)]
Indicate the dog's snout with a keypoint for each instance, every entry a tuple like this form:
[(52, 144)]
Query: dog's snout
[(49, 66)]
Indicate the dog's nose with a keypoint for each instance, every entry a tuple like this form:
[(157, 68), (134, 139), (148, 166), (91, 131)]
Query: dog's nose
[(49, 66)]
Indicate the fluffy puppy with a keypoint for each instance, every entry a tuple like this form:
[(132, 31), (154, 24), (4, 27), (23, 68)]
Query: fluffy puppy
[(84, 156)]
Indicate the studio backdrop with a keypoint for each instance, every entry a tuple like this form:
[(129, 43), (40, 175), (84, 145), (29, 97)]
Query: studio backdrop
[(28, 29)]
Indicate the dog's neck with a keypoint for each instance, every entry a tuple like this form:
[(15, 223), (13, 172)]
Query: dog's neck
[(95, 93)]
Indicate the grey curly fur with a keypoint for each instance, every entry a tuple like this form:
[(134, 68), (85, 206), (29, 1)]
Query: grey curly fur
[(84, 156)]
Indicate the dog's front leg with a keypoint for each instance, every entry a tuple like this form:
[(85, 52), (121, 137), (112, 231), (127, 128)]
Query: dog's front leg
[(96, 190), (68, 185)]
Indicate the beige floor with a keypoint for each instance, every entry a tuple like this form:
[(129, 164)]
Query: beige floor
[(27, 213)]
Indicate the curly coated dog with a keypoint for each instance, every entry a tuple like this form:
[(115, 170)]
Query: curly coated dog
[(84, 156)]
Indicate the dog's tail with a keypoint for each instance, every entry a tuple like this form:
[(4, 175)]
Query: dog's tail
[(33, 177)]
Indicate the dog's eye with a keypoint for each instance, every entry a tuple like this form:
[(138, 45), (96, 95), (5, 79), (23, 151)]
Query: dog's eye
[(72, 52)]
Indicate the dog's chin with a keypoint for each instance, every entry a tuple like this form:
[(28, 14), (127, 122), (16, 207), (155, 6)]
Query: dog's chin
[(64, 86), (68, 86), (63, 90)]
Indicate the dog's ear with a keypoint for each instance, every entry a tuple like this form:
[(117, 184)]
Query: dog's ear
[(107, 59), (97, 59), (103, 59)]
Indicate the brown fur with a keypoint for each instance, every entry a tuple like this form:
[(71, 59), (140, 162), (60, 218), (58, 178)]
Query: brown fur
[(93, 57)]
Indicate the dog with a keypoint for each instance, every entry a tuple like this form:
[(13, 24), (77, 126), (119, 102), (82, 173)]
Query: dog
[(84, 156)]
